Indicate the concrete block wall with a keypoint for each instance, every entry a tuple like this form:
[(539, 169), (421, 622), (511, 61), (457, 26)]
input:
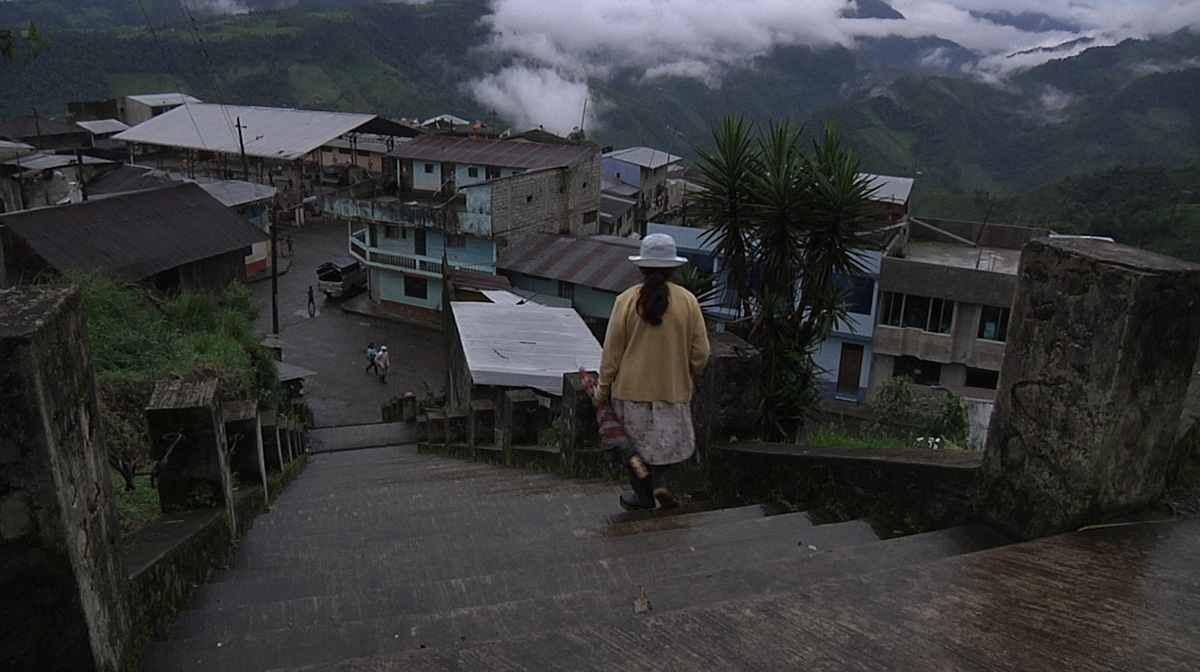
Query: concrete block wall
[(63, 588)]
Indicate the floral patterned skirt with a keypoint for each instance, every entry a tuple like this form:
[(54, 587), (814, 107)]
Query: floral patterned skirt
[(661, 431)]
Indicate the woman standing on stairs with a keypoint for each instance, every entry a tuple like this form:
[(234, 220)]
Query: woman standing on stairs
[(655, 346)]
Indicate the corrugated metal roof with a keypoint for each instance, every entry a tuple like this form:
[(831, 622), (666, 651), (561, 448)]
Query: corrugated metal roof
[(478, 281), (135, 235), (160, 99), (30, 126), (889, 189), (617, 187), (601, 262), (103, 125), (230, 193), (523, 345), (687, 238), (41, 161), (501, 153), (646, 157), (268, 132)]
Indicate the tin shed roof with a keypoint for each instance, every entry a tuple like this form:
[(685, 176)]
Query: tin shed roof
[(100, 126), (888, 188), (268, 132), (601, 262), (160, 99), (523, 345), (135, 235), (646, 157), (502, 153)]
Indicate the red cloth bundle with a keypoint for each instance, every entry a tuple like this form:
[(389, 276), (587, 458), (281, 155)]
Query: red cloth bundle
[(613, 437)]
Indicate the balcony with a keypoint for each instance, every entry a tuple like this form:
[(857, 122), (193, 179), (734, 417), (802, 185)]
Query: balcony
[(412, 264), (900, 341), (414, 213)]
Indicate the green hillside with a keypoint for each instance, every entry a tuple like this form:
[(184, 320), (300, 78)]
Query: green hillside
[(1129, 105)]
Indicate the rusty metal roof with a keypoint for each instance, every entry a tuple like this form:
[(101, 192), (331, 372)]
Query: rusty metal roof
[(134, 235), (601, 262), (501, 153)]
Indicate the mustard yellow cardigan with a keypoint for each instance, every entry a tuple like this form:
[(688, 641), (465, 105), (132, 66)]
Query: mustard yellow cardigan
[(643, 362)]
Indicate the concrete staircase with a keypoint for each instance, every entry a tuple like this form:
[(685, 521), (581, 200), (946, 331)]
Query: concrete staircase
[(386, 559)]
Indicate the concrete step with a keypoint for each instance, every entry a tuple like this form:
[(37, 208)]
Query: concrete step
[(451, 584), (652, 534), (387, 637), (352, 437)]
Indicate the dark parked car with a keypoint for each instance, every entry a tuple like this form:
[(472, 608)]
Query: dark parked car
[(341, 277)]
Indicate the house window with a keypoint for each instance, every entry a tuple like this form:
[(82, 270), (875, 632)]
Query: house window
[(419, 241), (529, 198), (982, 378), (417, 288), (491, 172), (429, 169), (456, 241), (393, 231), (993, 323), (921, 372), (472, 172), (920, 312), (566, 290), (860, 293), (343, 150)]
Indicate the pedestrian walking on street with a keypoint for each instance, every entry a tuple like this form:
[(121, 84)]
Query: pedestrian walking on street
[(655, 347), (289, 244), (312, 303), (382, 363), (371, 359)]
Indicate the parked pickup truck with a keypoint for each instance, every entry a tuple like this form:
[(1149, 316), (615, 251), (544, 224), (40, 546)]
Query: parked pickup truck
[(341, 277)]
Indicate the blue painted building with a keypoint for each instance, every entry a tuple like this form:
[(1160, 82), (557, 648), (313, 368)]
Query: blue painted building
[(463, 202)]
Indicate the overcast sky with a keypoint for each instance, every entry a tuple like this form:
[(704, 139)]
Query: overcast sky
[(557, 52)]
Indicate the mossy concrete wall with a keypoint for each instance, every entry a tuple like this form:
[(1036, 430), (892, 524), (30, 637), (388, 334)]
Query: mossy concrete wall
[(63, 593), (1101, 342)]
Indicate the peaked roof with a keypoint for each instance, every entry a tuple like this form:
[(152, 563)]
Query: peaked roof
[(267, 132), (135, 235), (889, 188), (601, 262), (502, 153)]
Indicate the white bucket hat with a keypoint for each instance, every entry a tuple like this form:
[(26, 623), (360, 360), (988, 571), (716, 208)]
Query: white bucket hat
[(658, 251)]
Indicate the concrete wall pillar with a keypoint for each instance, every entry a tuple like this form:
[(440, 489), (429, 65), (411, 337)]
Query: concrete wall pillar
[(408, 407), (1100, 345), (186, 427), (578, 421), (63, 589), (272, 452), (246, 453), (456, 427), (520, 417), (481, 421)]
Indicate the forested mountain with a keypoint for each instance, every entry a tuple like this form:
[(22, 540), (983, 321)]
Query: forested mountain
[(1131, 104)]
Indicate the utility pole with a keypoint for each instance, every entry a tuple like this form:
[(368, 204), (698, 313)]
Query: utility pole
[(242, 145), (274, 273)]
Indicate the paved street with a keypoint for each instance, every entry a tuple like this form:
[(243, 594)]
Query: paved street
[(333, 342)]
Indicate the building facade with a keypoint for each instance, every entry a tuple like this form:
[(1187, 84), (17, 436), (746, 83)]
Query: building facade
[(462, 202)]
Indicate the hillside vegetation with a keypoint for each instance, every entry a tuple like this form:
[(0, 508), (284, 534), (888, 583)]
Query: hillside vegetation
[(1109, 116)]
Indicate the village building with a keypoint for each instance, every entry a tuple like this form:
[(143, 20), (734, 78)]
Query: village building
[(261, 144), (38, 179), (129, 110), (249, 200), (44, 134), (646, 169), (459, 204), (172, 239)]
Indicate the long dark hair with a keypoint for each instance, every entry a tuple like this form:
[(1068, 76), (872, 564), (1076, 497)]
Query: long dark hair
[(654, 296)]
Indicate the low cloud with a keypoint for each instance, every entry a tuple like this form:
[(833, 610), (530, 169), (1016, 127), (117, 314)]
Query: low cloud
[(557, 51)]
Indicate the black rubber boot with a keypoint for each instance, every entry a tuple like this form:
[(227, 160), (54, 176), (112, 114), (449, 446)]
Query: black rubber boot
[(660, 475), (642, 497)]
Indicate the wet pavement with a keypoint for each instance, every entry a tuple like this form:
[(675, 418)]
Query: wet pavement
[(333, 341), (388, 559)]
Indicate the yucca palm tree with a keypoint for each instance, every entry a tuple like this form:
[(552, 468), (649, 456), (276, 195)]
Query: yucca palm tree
[(724, 202), (797, 218)]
